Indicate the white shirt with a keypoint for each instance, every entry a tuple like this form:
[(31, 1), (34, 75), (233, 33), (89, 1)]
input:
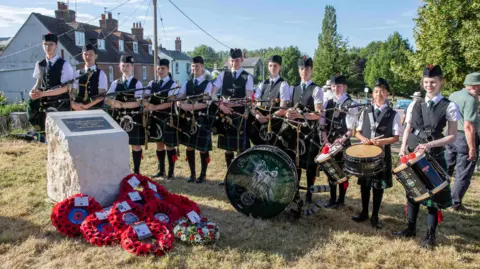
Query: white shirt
[(317, 92), (284, 90), (453, 114), (67, 70), (165, 80), (397, 128), (328, 95), (138, 94), (102, 79), (219, 81), (200, 79)]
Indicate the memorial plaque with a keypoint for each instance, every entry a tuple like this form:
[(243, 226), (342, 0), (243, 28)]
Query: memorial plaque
[(76, 125)]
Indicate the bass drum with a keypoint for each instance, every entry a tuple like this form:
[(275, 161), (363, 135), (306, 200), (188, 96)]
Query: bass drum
[(261, 182)]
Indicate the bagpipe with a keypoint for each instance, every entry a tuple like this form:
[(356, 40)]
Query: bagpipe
[(36, 107)]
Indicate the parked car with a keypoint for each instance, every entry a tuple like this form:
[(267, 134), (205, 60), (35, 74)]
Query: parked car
[(402, 104)]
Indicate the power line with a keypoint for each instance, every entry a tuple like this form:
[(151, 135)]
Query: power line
[(198, 25), (34, 46), (164, 32), (146, 13)]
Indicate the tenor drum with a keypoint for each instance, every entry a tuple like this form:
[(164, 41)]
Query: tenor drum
[(424, 178), (329, 165), (261, 182), (364, 160)]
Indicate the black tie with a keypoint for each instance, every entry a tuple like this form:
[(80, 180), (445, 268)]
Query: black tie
[(195, 82), (377, 114), (304, 86), (431, 103), (234, 75), (271, 83), (161, 83), (125, 84), (49, 65)]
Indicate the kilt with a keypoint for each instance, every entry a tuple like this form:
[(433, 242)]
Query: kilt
[(201, 140), (37, 116), (159, 128), (289, 143), (232, 139), (136, 136)]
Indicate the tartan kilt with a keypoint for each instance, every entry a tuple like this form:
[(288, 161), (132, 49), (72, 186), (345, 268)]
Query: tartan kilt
[(232, 139), (159, 128), (201, 140), (136, 136)]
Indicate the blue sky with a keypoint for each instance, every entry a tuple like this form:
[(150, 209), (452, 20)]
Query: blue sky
[(249, 24)]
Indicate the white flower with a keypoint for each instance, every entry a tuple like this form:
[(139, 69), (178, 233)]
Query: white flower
[(183, 237), (217, 235), (198, 238)]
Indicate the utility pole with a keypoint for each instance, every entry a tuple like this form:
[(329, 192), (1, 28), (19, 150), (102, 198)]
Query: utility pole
[(155, 40)]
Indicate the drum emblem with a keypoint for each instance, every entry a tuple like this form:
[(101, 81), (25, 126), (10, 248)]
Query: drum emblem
[(410, 183), (263, 181), (426, 168)]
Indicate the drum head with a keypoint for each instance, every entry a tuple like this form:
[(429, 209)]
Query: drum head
[(364, 151), (261, 182)]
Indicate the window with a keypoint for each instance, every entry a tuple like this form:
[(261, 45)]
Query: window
[(144, 72), (188, 68), (135, 47), (120, 45), (101, 44), (176, 68), (79, 39), (150, 50), (110, 73)]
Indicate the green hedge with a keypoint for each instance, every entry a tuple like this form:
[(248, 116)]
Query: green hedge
[(5, 110)]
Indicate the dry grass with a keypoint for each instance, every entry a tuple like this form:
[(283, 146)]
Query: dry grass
[(328, 239)]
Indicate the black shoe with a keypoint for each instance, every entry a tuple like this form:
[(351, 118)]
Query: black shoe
[(169, 179), (360, 217), (375, 222), (200, 179), (330, 204), (191, 179), (460, 208), (222, 183), (429, 240), (339, 205), (407, 233), (159, 174)]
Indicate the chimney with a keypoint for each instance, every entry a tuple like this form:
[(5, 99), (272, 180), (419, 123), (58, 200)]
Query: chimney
[(63, 13), (137, 30), (178, 44), (244, 51), (109, 24)]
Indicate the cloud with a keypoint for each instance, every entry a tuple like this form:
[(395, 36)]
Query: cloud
[(86, 18), (9, 16), (296, 22), (395, 26), (142, 18)]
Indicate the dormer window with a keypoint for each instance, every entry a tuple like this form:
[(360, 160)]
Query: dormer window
[(101, 44), (135, 47), (150, 49), (120, 45), (79, 38)]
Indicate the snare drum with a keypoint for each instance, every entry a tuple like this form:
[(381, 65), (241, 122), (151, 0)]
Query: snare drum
[(330, 166), (364, 160), (261, 182), (424, 178)]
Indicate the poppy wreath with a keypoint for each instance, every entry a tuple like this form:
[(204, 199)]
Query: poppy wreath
[(157, 210), (66, 217), (160, 242), (98, 232), (159, 191), (204, 232), (150, 195), (183, 203), (124, 196), (122, 220), (125, 186)]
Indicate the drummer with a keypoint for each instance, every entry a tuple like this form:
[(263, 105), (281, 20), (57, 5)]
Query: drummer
[(378, 120), (424, 133), (339, 122)]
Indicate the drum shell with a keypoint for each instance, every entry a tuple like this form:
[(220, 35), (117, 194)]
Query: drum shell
[(364, 167), (267, 176)]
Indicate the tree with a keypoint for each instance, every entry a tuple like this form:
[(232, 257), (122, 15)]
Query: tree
[(290, 58), (209, 55), (447, 33), (331, 53), (386, 56)]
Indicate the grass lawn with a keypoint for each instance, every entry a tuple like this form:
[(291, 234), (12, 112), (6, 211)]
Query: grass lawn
[(329, 239)]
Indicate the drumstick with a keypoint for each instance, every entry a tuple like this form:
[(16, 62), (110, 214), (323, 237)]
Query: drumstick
[(375, 138)]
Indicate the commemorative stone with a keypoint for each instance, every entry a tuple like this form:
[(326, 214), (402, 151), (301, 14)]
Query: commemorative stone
[(88, 153)]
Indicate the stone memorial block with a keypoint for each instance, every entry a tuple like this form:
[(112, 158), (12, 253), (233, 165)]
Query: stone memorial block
[(88, 153)]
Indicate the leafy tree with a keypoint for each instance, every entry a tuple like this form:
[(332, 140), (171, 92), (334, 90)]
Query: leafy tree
[(209, 55), (331, 53), (447, 33)]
